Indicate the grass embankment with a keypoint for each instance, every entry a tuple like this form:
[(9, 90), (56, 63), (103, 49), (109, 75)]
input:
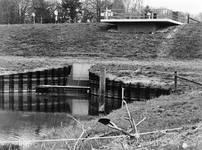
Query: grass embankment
[(188, 43), (58, 40), (70, 39)]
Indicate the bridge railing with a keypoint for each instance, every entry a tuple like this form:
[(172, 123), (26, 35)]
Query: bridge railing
[(152, 14)]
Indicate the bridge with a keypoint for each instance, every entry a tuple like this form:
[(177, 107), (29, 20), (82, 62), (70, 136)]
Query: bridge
[(144, 22)]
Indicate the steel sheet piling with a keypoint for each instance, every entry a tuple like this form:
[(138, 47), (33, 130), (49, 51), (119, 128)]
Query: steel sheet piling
[(132, 92), (38, 78), (29, 81), (11, 92), (59, 75), (20, 92), (45, 77), (2, 92)]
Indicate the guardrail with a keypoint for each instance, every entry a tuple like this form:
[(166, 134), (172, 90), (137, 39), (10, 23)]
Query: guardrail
[(152, 14)]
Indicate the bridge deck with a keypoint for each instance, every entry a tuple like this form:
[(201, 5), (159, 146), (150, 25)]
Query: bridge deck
[(169, 21)]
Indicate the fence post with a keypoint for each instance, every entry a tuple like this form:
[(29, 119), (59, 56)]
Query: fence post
[(175, 81), (102, 86), (188, 19), (122, 95)]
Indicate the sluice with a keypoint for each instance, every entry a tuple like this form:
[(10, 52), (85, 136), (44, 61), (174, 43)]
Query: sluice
[(132, 92)]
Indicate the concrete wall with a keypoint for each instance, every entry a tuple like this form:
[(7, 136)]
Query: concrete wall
[(137, 27)]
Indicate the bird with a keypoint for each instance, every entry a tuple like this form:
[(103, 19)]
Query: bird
[(112, 125), (107, 121)]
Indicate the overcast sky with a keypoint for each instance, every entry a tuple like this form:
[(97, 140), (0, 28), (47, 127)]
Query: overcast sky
[(190, 6)]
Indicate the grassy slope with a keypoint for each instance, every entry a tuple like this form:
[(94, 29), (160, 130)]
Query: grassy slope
[(65, 39), (188, 42)]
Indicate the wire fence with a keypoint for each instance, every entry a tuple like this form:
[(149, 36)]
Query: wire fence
[(176, 77)]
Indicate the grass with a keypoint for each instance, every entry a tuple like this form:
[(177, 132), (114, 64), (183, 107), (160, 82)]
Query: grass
[(65, 39), (29, 47), (56, 40)]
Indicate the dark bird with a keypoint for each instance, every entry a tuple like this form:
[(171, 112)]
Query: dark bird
[(105, 121), (110, 124)]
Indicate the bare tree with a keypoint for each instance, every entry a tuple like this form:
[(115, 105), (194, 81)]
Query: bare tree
[(133, 5), (25, 7), (97, 6), (198, 17)]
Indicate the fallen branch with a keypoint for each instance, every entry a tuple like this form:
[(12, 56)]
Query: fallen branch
[(140, 121), (112, 125), (136, 132), (92, 138), (161, 131), (82, 126), (79, 139), (61, 140), (129, 115)]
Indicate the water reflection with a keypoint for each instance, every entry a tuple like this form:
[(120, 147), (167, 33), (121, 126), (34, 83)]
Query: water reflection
[(25, 126), (26, 115), (51, 102), (36, 115)]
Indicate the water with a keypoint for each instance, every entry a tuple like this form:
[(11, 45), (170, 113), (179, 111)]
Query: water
[(29, 115), (25, 126)]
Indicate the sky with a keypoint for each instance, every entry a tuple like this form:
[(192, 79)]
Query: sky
[(189, 6)]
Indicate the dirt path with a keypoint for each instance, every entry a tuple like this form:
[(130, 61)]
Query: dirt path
[(169, 39)]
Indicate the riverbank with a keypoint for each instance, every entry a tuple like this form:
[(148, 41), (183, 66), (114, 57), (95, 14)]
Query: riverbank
[(166, 112), (179, 112)]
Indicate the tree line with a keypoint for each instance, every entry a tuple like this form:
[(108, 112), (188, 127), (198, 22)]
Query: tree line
[(42, 11)]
